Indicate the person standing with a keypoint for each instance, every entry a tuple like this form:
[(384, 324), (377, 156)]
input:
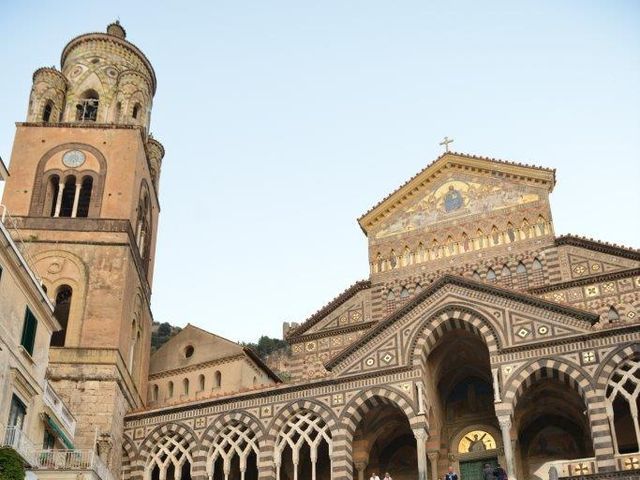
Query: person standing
[(374, 477), (500, 473), (451, 474), (387, 476), (488, 472)]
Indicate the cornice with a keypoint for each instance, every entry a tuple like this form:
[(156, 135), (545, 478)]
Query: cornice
[(335, 331), (598, 246), (195, 367), (296, 332), (605, 277)]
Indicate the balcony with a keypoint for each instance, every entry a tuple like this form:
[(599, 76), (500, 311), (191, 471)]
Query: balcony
[(15, 438), (59, 409), (55, 463)]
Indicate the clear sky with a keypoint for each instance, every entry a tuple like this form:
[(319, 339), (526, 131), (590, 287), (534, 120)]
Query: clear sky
[(283, 121)]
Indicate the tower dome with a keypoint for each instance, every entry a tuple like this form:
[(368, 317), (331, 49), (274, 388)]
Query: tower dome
[(109, 80)]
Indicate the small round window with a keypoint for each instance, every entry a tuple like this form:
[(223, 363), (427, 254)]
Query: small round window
[(188, 352)]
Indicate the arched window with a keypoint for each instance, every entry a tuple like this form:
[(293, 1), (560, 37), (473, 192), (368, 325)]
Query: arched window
[(537, 277), (511, 234), (255, 380), (117, 112), (170, 389), (53, 188), (623, 397), (475, 275), (154, 394), (143, 229), (491, 275), (390, 295), (505, 276), (201, 382), (170, 459), (68, 196), (521, 276), (495, 235), (84, 200), (61, 312), (87, 107), (48, 110), (217, 380), (612, 314), (185, 386), (136, 111), (404, 293), (133, 344)]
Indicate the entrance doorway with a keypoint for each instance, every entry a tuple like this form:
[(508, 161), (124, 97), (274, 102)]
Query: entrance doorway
[(472, 469)]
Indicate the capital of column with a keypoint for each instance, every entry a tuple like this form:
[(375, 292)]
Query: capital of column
[(420, 433), (505, 422), (433, 456)]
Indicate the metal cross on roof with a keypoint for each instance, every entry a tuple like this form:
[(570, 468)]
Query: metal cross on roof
[(446, 143)]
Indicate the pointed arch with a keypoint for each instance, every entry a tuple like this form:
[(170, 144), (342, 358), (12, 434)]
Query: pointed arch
[(169, 437)]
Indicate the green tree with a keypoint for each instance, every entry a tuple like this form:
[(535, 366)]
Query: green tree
[(11, 467)]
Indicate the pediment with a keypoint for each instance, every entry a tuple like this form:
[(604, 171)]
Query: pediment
[(455, 195), (503, 318), (455, 186), (584, 258)]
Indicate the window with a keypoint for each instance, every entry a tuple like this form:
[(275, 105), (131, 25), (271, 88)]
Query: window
[(170, 389), (475, 275), (53, 187), (87, 107), (17, 412), (185, 386), (612, 314), (61, 312), (218, 379), (188, 351), (521, 276), (491, 275), (404, 293), (48, 109), (201, 382), (505, 276), (136, 111), (29, 331), (154, 393), (536, 273), (68, 196), (84, 200), (49, 440), (118, 111)]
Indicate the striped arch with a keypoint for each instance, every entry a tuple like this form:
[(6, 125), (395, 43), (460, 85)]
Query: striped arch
[(611, 362), (447, 319), (576, 378), (156, 436), (130, 452), (242, 423), (355, 411), (547, 368)]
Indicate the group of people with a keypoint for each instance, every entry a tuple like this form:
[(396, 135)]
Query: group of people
[(488, 473)]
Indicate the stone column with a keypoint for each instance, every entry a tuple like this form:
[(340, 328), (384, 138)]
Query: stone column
[(433, 458), (59, 200), (361, 467), (76, 199), (505, 428), (496, 385), (421, 450)]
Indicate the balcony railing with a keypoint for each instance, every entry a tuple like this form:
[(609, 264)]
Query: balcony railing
[(55, 403), (57, 460), (73, 460), (15, 438)]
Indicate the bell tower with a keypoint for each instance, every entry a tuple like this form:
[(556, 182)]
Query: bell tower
[(83, 197)]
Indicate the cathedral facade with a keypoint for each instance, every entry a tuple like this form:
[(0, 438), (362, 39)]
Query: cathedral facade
[(479, 337)]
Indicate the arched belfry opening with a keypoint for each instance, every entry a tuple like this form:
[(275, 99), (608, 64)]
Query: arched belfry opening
[(61, 312), (87, 106)]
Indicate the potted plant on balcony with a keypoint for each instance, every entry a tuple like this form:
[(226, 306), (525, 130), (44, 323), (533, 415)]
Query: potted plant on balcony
[(11, 467)]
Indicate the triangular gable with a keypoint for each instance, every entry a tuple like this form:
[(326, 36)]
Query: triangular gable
[(586, 257), (522, 320), (207, 347), (424, 184), (351, 307)]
